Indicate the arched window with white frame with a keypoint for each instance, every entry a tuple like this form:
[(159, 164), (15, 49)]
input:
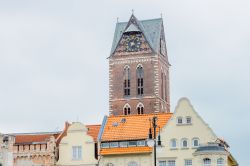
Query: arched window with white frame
[(140, 109), (206, 162), (140, 75), (184, 143), (126, 109), (195, 142), (173, 143), (220, 162), (126, 81)]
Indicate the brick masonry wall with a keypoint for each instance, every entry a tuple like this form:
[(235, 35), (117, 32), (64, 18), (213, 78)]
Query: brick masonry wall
[(151, 98)]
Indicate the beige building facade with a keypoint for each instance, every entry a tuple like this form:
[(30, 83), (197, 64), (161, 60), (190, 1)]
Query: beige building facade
[(188, 141), (78, 147)]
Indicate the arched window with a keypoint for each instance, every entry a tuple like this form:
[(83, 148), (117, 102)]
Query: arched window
[(206, 162), (195, 142), (126, 82), (140, 108), (184, 143), (162, 86), (126, 109), (173, 143), (220, 162), (132, 164), (139, 74)]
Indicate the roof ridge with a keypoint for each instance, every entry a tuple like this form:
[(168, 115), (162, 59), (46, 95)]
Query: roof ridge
[(36, 133), (124, 22)]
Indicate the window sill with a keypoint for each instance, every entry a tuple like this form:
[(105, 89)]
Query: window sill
[(173, 148), (184, 148), (184, 124)]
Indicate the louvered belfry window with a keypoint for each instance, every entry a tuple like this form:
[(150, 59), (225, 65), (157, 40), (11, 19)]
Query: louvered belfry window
[(126, 81), (140, 73)]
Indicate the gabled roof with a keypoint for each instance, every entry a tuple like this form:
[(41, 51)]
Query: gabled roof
[(132, 127), (150, 28), (32, 138)]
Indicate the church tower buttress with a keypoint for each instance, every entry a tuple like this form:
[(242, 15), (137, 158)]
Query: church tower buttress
[(139, 68)]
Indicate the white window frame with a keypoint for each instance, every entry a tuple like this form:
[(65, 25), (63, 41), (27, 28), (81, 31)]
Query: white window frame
[(220, 162), (177, 120), (132, 163), (162, 163), (187, 162), (205, 163), (169, 163), (76, 152), (171, 143), (132, 145), (114, 144), (187, 120), (105, 143), (141, 143), (182, 141), (123, 144), (193, 140)]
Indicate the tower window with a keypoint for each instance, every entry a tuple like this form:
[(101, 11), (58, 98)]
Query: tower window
[(126, 82), (126, 109), (140, 109), (139, 73)]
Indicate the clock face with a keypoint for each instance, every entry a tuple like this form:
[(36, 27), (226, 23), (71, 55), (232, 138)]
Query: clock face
[(133, 42)]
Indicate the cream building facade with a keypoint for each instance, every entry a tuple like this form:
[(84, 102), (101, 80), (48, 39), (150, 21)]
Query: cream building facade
[(77, 148), (188, 141)]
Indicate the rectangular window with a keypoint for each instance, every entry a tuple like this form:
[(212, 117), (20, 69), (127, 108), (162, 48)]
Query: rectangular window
[(162, 163), (171, 162), (113, 144), (132, 143), (76, 152), (123, 144), (105, 145), (188, 162), (140, 143), (188, 120)]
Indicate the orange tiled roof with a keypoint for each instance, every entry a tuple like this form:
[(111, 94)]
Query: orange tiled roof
[(136, 126), (34, 137), (128, 150), (93, 131)]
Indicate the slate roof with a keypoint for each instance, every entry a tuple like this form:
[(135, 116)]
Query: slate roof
[(150, 28), (131, 127)]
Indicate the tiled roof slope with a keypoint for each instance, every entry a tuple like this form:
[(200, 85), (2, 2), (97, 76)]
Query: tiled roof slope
[(127, 150), (151, 29), (93, 131), (29, 138), (135, 127)]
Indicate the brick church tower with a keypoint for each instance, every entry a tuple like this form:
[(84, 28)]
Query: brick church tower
[(139, 68)]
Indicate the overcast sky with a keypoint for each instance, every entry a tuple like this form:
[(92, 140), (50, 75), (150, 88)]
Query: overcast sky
[(53, 65)]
